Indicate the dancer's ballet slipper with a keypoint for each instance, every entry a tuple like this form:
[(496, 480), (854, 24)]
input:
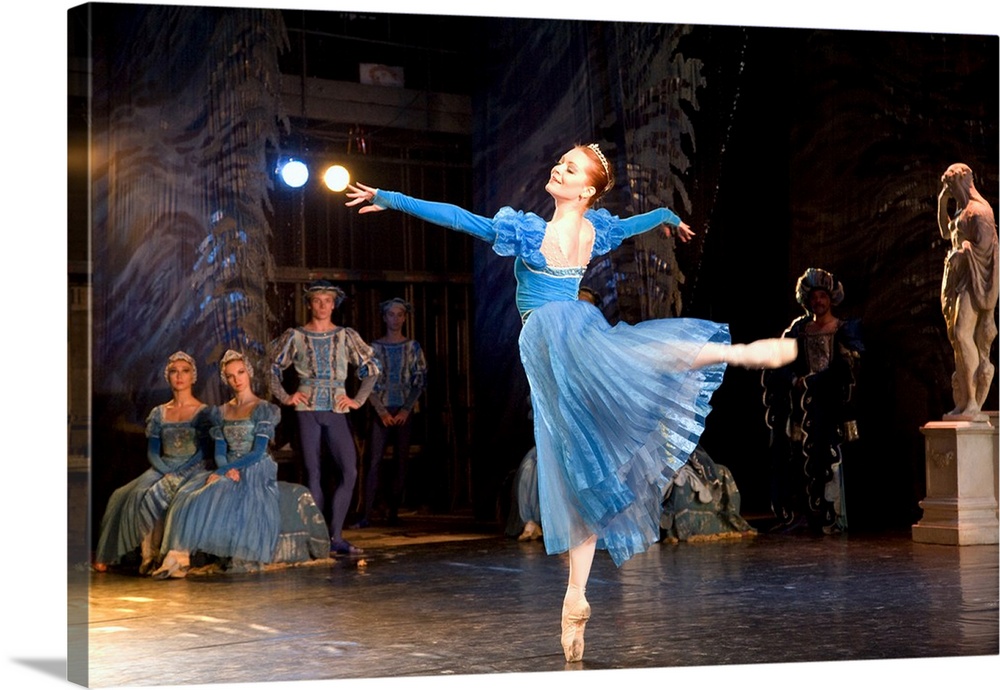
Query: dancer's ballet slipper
[(163, 572), (174, 566), (770, 353), (148, 556), (531, 531), (574, 619), (344, 547)]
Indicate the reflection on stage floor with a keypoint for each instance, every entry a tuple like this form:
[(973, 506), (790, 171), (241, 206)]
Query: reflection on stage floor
[(436, 598)]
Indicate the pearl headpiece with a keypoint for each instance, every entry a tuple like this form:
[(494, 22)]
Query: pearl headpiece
[(184, 357), (604, 164), (233, 356)]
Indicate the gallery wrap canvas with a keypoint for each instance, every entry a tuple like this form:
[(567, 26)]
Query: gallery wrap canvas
[(782, 141)]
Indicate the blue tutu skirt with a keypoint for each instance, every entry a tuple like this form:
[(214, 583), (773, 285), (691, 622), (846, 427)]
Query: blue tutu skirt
[(617, 411)]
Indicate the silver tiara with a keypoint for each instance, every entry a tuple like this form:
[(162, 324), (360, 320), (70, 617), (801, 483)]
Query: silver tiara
[(604, 164)]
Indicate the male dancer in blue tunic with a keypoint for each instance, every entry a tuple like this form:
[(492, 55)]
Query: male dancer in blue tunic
[(321, 352), (402, 380)]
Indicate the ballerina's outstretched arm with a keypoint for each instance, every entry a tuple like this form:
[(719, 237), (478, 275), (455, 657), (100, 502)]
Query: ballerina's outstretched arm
[(446, 215), (670, 221)]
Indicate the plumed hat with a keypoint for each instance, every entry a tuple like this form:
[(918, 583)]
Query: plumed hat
[(384, 306), (818, 279)]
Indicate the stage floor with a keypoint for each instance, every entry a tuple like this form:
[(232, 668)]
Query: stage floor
[(445, 597)]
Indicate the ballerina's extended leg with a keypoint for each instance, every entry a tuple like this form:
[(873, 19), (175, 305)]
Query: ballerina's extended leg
[(769, 353), (576, 610)]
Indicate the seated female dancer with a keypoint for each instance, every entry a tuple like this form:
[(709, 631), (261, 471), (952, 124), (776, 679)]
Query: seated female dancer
[(176, 433), (600, 441), (233, 511)]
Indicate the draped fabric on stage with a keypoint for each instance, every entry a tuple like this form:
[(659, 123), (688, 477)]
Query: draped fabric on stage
[(185, 103)]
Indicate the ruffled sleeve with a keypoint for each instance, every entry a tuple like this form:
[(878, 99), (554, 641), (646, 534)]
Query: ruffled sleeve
[(280, 353), (368, 366), (265, 416), (215, 416), (849, 335), (610, 231), (154, 422), (204, 419), (519, 234)]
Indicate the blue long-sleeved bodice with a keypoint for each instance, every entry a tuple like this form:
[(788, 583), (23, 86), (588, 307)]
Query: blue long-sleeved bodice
[(521, 234)]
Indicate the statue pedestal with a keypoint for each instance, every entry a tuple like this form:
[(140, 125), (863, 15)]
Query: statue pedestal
[(960, 460)]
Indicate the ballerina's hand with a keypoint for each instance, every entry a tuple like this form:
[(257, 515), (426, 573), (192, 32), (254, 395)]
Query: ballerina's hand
[(684, 232), (359, 194)]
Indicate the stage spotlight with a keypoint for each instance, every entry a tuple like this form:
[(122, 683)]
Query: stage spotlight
[(293, 172), (337, 178)]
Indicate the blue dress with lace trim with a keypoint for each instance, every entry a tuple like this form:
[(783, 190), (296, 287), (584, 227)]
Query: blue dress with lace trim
[(617, 409)]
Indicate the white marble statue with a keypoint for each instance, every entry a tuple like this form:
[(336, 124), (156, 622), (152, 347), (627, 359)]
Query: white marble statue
[(969, 286)]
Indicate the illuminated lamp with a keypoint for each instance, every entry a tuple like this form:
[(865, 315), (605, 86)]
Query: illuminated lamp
[(337, 178), (293, 173)]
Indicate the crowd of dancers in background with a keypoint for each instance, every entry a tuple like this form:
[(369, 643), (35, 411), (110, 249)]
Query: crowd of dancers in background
[(212, 486)]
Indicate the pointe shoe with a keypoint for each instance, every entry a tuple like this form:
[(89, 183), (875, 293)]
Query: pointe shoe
[(147, 566), (163, 572), (177, 573), (531, 531), (574, 620), (770, 353), (148, 563), (173, 567)]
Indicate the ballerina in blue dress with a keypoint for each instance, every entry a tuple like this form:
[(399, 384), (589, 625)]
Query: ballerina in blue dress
[(176, 434), (606, 445), (232, 512)]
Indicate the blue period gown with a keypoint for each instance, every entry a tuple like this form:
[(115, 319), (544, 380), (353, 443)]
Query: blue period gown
[(617, 409), (232, 519), (175, 451)]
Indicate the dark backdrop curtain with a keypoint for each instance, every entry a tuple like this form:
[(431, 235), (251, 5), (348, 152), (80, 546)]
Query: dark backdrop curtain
[(185, 104)]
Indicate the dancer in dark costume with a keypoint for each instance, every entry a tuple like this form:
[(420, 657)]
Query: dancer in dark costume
[(606, 445), (401, 381), (812, 411)]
